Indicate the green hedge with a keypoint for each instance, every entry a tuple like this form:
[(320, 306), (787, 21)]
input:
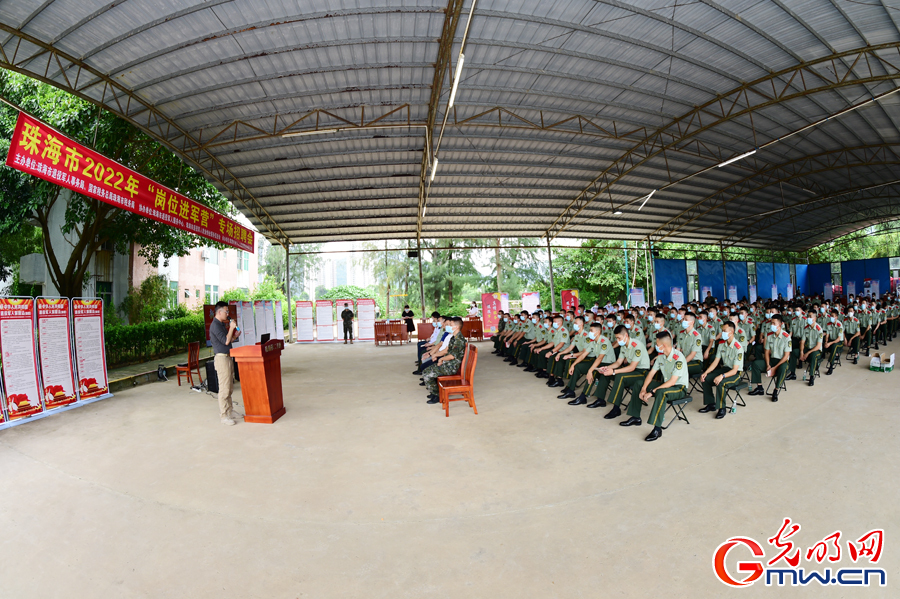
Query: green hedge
[(131, 344)]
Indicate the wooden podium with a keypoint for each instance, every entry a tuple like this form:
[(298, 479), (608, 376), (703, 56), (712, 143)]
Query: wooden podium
[(260, 367)]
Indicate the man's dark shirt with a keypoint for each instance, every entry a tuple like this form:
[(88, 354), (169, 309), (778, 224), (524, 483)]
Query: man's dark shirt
[(347, 315), (218, 333)]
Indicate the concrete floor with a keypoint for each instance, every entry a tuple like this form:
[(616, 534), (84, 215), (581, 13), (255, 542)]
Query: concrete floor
[(363, 490)]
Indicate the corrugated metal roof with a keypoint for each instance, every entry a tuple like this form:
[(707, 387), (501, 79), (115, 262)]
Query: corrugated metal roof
[(561, 115)]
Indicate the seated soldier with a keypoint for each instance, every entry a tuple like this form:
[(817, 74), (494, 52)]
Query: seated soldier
[(449, 363), (425, 345), (851, 333), (777, 351), (724, 372), (558, 339), (797, 324), (570, 361), (834, 339), (811, 344), (599, 353), (502, 326), (690, 342), (630, 367), (671, 364), (439, 349), (541, 339), (525, 332)]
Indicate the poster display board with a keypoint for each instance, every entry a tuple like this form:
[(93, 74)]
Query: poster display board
[(54, 329), (20, 369), (39, 150), (338, 308), (790, 292), (531, 300), (239, 319), (504, 302), (324, 320), (90, 347), (752, 292), (732, 294), (261, 324), (569, 300), (677, 295), (279, 320), (365, 318), (636, 296), (851, 288), (774, 291), (875, 288), (828, 292), (304, 311), (490, 312), (704, 291), (248, 324)]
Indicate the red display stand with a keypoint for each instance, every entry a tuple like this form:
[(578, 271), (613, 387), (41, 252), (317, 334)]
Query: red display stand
[(260, 367)]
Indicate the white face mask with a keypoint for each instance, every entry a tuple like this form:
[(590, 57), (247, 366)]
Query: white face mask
[(725, 335), (568, 317), (831, 319), (620, 342), (659, 349), (576, 327), (743, 317), (627, 326), (609, 323), (685, 324), (534, 320), (809, 320), (448, 328), (555, 325), (849, 314), (592, 335), (774, 328), (657, 326)]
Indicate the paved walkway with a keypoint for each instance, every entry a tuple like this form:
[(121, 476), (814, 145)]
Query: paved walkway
[(135, 369)]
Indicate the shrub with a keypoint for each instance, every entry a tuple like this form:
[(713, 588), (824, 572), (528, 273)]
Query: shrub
[(147, 302), (179, 311), (130, 344)]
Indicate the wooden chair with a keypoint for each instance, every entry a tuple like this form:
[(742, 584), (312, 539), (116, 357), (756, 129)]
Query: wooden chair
[(460, 384), (397, 329), (193, 363), (382, 332)]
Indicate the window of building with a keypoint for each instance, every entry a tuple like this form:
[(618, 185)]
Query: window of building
[(207, 297), (173, 294), (243, 260), (212, 294), (198, 294), (836, 278), (104, 292), (212, 255)]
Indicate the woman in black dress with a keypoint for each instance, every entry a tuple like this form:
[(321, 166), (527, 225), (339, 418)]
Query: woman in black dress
[(408, 317)]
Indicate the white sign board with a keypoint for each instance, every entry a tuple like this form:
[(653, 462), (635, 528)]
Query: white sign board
[(305, 322), (20, 374), (248, 329), (774, 291), (365, 314), (279, 321), (324, 320), (828, 292), (677, 295), (530, 301), (637, 298), (732, 294), (752, 292), (851, 288)]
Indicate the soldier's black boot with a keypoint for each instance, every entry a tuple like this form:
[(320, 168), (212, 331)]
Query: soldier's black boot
[(721, 413), (830, 370), (614, 413), (567, 394), (775, 395), (599, 403), (758, 391)]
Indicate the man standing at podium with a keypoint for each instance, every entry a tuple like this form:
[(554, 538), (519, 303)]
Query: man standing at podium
[(347, 317), (222, 332)]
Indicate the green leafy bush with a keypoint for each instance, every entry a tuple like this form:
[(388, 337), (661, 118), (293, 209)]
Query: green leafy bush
[(147, 302), (131, 344), (179, 311)]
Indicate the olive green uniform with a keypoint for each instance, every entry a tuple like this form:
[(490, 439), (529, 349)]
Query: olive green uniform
[(834, 330), (777, 344), (599, 347), (673, 365), (813, 334), (731, 355), (633, 352)]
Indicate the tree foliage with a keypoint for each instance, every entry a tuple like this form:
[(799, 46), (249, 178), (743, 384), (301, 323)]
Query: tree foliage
[(90, 223)]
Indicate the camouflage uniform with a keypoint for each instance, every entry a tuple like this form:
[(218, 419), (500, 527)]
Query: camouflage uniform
[(456, 348)]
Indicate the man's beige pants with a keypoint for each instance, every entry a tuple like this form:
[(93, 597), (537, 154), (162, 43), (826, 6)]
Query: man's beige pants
[(225, 372)]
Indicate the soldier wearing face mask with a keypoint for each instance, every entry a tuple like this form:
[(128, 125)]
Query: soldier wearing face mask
[(834, 339), (851, 333), (811, 344)]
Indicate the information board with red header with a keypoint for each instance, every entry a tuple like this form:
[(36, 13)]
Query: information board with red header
[(38, 149), (54, 329), (569, 299), (304, 321), (19, 359), (90, 349), (365, 315), (324, 320)]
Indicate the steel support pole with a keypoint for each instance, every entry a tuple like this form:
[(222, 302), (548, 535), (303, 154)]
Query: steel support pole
[(421, 279), (627, 295), (289, 308), (552, 287)]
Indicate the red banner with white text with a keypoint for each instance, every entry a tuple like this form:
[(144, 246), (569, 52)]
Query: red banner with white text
[(39, 150)]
